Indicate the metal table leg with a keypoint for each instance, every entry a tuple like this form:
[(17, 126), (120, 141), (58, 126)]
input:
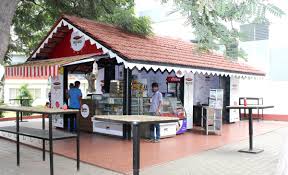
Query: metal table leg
[(251, 149), (78, 141), (51, 145), (124, 131), (17, 138), (21, 113), (136, 149), (43, 140)]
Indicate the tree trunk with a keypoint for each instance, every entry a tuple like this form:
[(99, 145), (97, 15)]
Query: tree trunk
[(7, 10)]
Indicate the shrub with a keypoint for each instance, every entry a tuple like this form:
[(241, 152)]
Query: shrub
[(24, 93)]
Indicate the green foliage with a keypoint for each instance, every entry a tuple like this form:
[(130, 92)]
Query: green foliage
[(213, 20), (24, 93), (33, 18), (131, 23)]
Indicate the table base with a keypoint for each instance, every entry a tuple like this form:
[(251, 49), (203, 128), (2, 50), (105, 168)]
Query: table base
[(251, 151)]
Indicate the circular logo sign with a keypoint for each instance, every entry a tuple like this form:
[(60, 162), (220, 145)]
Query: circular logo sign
[(85, 110), (77, 41), (179, 73), (57, 104)]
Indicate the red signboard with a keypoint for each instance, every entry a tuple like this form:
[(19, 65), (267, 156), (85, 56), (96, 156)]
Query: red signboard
[(64, 48), (173, 79)]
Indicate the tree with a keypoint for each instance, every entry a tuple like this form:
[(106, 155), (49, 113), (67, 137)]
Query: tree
[(34, 18), (214, 21), (24, 93), (7, 10)]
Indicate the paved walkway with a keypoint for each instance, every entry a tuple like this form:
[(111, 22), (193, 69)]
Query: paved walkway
[(224, 160), (227, 161), (109, 152), (31, 163)]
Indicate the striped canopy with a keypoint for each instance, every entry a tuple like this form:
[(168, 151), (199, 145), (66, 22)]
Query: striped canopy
[(41, 68)]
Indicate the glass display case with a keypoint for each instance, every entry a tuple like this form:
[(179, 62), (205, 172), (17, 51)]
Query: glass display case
[(140, 105), (106, 105), (172, 107)]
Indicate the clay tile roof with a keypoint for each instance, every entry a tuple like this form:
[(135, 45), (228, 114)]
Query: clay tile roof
[(156, 49)]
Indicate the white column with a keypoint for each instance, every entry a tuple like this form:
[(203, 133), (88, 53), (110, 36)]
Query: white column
[(188, 98), (234, 99)]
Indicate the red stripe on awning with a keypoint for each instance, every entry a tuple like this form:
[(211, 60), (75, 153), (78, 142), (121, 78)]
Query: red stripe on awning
[(7, 71), (14, 71), (26, 71)]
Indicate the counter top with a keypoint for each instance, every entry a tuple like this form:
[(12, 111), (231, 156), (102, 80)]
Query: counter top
[(134, 119), (250, 107), (38, 110)]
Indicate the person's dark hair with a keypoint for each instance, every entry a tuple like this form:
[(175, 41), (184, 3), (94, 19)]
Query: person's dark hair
[(154, 84), (77, 83), (71, 85)]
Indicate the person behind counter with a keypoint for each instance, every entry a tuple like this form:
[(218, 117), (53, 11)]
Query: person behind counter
[(155, 108), (75, 97), (71, 85)]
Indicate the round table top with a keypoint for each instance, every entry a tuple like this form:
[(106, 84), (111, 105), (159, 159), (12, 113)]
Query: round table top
[(250, 107)]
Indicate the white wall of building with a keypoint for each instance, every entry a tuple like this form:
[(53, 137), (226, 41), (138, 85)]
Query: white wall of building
[(39, 85), (270, 56), (202, 86)]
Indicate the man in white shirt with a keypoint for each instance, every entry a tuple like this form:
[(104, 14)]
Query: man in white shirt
[(155, 109)]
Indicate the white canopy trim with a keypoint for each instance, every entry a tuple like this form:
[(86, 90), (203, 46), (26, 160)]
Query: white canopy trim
[(180, 71)]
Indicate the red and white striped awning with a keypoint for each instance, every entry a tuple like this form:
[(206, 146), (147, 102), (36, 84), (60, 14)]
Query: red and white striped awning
[(41, 68), (41, 71)]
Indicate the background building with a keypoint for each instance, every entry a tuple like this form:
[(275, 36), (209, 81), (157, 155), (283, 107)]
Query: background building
[(265, 45), (267, 49)]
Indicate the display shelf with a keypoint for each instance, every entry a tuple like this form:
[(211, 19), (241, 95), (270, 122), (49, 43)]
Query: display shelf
[(109, 105), (38, 133)]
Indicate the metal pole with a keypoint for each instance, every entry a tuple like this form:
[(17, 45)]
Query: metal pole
[(250, 130), (127, 102), (17, 137), (258, 109), (239, 102), (51, 145), (127, 91), (43, 140), (78, 140), (136, 149), (21, 114)]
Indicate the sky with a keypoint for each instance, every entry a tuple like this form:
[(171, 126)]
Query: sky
[(162, 19), (174, 25)]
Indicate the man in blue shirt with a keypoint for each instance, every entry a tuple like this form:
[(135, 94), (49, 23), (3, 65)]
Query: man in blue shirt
[(75, 97)]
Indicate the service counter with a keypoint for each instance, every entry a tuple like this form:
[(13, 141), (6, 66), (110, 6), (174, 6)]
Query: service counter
[(113, 106)]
